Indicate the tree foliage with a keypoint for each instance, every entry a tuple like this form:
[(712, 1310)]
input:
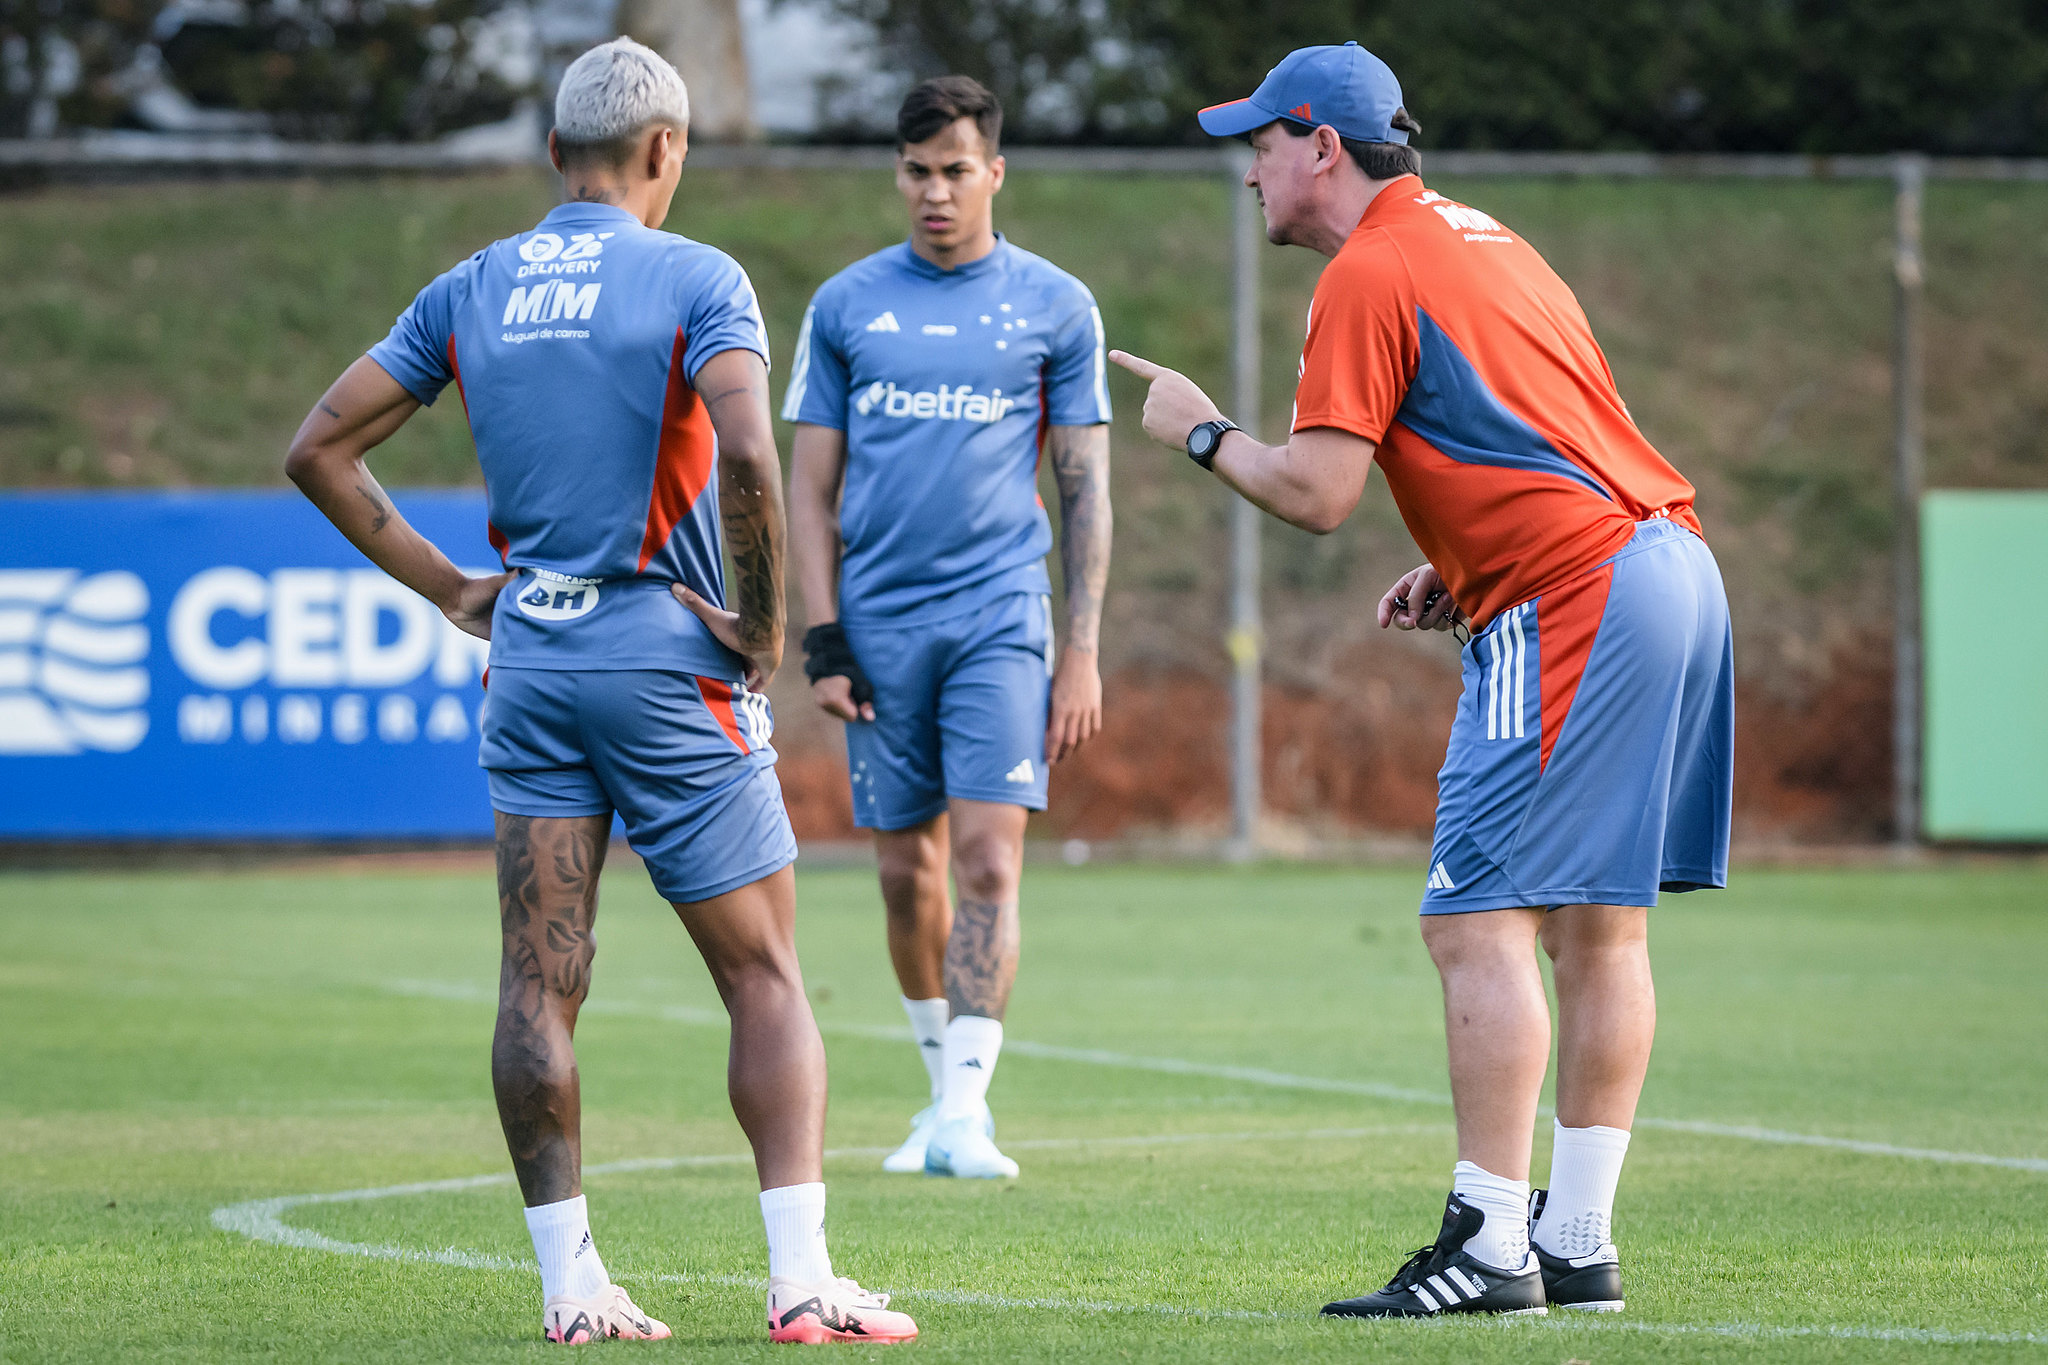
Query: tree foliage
[(364, 70), (1812, 76)]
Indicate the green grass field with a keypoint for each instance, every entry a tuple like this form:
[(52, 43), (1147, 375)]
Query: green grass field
[(1223, 1085)]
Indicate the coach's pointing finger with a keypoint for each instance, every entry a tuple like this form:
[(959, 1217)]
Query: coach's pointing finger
[(1138, 365), (1174, 405)]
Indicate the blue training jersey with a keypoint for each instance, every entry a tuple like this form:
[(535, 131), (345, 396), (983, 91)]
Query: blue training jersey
[(573, 347), (944, 382)]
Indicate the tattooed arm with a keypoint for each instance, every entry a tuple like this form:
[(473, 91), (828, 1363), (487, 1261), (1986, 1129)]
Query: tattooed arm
[(1080, 466), (361, 411), (734, 387)]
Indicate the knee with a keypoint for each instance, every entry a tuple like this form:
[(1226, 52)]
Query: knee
[(759, 973), (1475, 943), (912, 879), (1577, 932), (988, 868)]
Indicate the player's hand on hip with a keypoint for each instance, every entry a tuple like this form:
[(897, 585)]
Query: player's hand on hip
[(1174, 406), (725, 626), (470, 608), (1419, 601), (1076, 704), (834, 695)]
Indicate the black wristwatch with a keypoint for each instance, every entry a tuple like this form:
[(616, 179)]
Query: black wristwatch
[(1204, 439)]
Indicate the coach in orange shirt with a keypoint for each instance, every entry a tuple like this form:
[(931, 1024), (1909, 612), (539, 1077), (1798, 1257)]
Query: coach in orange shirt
[(1589, 765)]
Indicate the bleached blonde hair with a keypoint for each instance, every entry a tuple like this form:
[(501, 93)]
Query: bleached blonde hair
[(612, 94)]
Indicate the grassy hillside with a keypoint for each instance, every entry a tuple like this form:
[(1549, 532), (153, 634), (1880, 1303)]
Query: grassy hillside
[(175, 335)]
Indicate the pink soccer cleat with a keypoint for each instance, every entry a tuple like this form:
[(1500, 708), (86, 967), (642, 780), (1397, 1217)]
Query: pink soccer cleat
[(833, 1310), (607, 1316)]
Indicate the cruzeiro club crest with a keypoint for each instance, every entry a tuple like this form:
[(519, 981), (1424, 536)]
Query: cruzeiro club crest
[(71, 652)]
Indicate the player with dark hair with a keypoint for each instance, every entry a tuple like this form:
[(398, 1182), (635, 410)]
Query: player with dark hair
[(1589, 764), (927, 381), (616, 381)]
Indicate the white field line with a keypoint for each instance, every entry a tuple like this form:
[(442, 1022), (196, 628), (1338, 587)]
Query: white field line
[(1251, 1075), (262, 1220)]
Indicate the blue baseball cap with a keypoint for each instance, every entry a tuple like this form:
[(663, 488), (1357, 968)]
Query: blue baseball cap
[(1345, 87)]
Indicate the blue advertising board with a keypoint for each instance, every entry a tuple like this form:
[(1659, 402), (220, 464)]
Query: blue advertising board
[(226, 666)]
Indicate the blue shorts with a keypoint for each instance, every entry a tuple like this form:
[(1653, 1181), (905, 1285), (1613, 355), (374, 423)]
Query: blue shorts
[(960, 710), (1591, 762), (685, 761)]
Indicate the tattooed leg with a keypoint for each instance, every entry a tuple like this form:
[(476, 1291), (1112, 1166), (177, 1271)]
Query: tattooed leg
[(547, 903), (988, 866), (775, 1072)]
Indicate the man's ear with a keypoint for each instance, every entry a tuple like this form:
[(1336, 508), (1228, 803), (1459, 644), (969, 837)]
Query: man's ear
[(996, 167), (1329, 148), (555, 152)]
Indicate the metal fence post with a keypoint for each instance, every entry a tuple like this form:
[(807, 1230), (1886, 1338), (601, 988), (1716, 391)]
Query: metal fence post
[(1909, 177), (1244, 640)]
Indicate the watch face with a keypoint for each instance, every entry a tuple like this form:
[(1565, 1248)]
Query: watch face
[(1203, 441)]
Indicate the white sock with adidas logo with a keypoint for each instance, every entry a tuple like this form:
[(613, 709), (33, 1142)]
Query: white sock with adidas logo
[(972, 1045), (569, 1263), (795, 1218), (928, 1026)]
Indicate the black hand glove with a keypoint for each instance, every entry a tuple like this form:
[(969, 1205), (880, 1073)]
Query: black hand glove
[(828, 655)]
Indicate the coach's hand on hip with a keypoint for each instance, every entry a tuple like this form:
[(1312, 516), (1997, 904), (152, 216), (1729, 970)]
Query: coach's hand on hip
[(1174, 406), (726, 626)]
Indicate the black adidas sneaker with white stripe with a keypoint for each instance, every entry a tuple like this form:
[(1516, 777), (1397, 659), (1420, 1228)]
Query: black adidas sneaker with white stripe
[(1590, 1284), (1443, 1278)]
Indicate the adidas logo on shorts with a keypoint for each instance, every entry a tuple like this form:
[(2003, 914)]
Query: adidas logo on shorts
[(1021, 773)]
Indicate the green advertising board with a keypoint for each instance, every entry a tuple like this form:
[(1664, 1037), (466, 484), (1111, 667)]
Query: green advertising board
[(1984, 579)]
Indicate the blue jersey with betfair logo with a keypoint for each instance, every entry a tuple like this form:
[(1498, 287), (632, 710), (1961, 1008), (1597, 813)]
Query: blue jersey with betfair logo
[(574, 346), (943, 381)]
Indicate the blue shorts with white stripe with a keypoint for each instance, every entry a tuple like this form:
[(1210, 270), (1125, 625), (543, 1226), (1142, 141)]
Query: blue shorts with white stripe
[(1591, 761)]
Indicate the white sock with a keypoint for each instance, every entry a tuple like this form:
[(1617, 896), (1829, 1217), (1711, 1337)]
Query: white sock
[(1503, 1241), (928, 1024), (795, 1215), (1585, 1166), (972, 1045), (569, 1264)]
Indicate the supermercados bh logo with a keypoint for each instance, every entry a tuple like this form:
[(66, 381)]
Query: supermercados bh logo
[(72, 648)]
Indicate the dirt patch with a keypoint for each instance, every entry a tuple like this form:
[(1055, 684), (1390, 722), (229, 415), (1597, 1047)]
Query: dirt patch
[(1811, 766)]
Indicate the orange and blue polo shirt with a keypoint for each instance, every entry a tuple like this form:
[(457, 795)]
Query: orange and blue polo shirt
[(1447, 340)]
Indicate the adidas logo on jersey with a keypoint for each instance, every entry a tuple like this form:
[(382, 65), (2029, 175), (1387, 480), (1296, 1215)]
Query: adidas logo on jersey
[(946, 403), (1021, 773), (885, 323)]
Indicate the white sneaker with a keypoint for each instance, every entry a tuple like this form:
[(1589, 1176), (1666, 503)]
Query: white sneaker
[(909, 1158), (965, 1148)]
